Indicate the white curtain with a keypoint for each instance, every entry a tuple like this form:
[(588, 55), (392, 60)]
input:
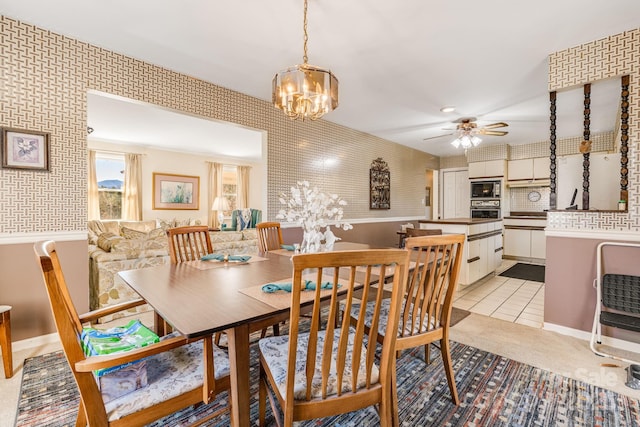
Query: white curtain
[(93, 209), (215, 190), (242, 200), (132, 194)]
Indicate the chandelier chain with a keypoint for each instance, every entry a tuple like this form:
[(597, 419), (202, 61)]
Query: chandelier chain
[(305, 58)]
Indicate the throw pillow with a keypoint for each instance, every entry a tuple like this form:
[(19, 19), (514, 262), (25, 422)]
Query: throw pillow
[(129, 233), (156, 233), (106, 241), (165, 224), (244, 219)]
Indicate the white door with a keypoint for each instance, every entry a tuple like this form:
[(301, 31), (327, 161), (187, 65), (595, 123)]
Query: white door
[(455, 194)]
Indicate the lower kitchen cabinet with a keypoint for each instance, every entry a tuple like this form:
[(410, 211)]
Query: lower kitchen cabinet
[(524, 242)]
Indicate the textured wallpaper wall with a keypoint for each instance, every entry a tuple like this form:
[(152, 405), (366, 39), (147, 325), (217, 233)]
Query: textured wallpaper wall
[(44, 79), (612, 56)]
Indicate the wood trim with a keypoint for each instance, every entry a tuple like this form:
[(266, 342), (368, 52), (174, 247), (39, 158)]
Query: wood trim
[(480, 236), (523, 227)]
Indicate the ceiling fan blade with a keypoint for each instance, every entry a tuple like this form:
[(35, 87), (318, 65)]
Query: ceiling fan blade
[(496, 125), (492, 132), (438, 136)]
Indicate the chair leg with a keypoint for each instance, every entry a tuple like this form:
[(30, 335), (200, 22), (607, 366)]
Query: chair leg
[(448, 369), (427, 353), (394, 397), (5, 343), (262, 398), (276, 330), (81, 419)]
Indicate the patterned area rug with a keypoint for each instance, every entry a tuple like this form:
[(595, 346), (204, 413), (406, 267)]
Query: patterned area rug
[(494, 391)]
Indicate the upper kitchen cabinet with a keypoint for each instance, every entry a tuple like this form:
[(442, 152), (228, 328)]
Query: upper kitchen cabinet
[(488, 169), (529, 171)]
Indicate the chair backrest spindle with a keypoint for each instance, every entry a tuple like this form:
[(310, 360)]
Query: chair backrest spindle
[(189, 243)]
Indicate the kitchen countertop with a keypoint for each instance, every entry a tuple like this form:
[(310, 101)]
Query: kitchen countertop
[(467, 221), (526, 215)]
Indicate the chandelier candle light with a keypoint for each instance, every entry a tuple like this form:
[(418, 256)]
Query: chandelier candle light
[(305, 91), (313, 210)]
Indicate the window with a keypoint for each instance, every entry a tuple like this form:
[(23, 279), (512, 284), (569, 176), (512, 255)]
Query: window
[(230, 187), (110, 176)]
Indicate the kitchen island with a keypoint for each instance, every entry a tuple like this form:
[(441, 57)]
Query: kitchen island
[(483, 246)]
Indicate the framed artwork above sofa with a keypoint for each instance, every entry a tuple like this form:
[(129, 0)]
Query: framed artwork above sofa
[(176, 191)]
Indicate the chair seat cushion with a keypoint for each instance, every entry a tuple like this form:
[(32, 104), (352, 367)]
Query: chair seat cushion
[(274, 350), (384, 315), (169, 374)]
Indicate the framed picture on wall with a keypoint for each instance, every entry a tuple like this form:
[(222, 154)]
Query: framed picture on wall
[(25, 149), (176, 191)]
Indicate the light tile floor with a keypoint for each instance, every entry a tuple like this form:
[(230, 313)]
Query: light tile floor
[(505, 298)]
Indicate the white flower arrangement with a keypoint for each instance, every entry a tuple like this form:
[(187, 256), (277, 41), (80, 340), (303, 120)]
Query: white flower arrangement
[(313, 210)]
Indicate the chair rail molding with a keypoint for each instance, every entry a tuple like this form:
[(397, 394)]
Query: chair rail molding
[(33, 236)]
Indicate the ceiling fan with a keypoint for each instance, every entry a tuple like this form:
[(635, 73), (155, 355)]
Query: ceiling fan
[(468, 126)]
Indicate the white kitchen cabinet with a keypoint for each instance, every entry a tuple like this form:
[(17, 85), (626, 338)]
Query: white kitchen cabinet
[(488, 169), (524, 238), (541, 167), (529, 169), (520, 169), (538, 244), (517, 242), (498, 249), (482, 253)]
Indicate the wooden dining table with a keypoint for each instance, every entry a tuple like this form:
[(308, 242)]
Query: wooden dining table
[(199, 299)]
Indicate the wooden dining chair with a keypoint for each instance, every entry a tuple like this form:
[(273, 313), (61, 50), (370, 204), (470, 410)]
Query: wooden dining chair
[(330, 370), (428, 301), (189, 243), (415, 232), (269, 236), (182, 372), (5, 340)]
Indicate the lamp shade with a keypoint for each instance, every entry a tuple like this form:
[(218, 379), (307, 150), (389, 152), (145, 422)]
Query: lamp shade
[(220, 204)]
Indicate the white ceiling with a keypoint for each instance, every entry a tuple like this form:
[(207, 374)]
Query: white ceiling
[(121, 121), (397, 62)]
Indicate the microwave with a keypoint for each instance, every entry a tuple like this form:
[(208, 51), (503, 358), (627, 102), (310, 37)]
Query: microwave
[(485, 189)]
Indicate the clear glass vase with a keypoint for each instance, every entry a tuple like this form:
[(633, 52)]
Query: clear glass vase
[(311, 241)]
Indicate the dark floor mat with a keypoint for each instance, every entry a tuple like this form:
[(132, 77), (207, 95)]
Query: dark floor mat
[(525, 272)]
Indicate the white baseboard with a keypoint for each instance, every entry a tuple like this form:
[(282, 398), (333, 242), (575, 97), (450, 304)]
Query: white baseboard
[(586, 336), (35, 342)]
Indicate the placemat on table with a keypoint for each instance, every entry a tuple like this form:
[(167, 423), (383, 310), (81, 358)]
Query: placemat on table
[(207, 265), (283, 252), (282, 299)]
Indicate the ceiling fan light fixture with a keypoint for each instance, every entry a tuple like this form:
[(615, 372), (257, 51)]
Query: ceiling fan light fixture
[(305, 91), (466, 140)]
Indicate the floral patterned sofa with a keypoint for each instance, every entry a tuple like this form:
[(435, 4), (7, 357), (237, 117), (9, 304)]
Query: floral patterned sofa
[(116, 246)]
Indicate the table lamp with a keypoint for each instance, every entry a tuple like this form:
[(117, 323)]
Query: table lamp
[(220, 204)]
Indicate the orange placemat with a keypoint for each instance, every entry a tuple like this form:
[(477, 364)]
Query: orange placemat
[(206, 265)]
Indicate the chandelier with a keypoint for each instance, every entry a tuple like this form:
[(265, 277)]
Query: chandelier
[(305, 91), (467, 136)]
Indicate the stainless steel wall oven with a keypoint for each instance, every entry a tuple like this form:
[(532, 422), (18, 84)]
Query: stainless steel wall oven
[(485, 209)]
